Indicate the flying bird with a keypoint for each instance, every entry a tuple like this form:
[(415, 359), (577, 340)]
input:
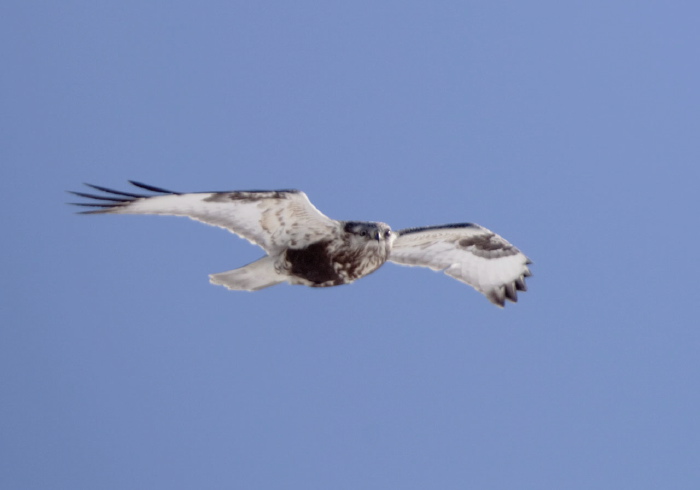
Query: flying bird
[(306, 247)]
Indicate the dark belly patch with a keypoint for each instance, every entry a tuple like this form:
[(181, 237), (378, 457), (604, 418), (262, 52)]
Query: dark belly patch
[(313, 264)]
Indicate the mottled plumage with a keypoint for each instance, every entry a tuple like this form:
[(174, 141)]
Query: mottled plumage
[(306, 247)]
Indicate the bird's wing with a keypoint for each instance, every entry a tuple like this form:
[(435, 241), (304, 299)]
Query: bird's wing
[(272, 219), (469, 253)]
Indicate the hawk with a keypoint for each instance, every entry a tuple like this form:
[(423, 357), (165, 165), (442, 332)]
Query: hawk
[(306, 247)]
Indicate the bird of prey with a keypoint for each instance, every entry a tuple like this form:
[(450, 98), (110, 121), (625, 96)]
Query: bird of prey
[(306, 247)]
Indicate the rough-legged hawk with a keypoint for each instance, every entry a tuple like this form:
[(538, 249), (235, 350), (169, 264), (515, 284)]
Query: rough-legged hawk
[(306, 247)]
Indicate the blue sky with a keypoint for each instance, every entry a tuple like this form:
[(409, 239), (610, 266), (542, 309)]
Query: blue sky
[(570, 128)]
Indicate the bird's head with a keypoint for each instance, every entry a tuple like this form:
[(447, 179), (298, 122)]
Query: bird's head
[(367, 232)]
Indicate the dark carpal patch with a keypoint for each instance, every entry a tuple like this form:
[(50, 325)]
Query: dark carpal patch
[(313, 264), (488, 246), (484, 242)]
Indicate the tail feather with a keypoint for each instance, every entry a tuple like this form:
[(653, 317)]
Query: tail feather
[(252, 277)]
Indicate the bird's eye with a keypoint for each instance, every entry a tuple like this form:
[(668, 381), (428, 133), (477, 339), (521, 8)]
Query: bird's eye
[(387, 233), (363, 233)]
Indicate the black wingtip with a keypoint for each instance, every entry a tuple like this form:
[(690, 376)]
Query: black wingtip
[(510, 292), (497, 297), (94, 211), (106, 202), (101, 198), (101, 208), (151, 187), (112, 191)]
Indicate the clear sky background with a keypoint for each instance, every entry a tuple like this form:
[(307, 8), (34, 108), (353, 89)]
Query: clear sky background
[(570, 128)]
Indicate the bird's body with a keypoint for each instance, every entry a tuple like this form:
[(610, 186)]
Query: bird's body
[(305, 247), (352, 251)]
